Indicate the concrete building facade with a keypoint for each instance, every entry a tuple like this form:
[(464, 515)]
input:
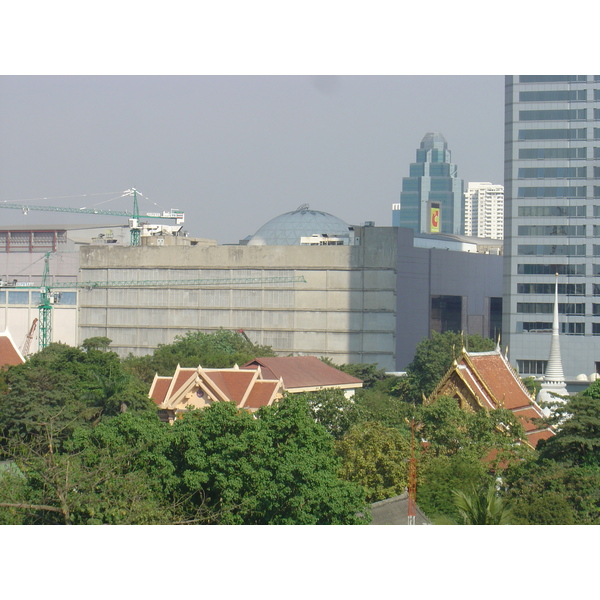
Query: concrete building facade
[(371, 302), (370, 299)]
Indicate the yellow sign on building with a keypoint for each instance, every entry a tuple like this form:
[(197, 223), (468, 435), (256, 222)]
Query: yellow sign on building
[(434, 220)]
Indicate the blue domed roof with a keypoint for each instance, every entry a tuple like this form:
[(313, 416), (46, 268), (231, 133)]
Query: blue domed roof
[(287, 229)]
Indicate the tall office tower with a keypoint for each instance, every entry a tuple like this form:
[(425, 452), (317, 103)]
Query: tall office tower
[(484, 210), (431, 200), (551, 211)]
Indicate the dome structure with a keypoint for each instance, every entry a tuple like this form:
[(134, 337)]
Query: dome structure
[(287, 229)]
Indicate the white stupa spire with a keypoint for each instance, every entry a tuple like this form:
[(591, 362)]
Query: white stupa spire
[(554, 378)]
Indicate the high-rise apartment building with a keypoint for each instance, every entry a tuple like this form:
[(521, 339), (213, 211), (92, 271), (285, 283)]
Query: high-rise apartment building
[(484, 210), (431, 200), (551, 226)]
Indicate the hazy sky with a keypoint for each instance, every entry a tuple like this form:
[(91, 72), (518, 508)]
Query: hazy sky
[(236, 151)]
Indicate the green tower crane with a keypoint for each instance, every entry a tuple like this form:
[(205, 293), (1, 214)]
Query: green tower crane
[(45, 307), (134, 216)]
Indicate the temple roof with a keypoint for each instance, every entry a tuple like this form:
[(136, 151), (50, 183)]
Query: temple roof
[(9, 353), (492, 383), (300, 372), (198, 387)]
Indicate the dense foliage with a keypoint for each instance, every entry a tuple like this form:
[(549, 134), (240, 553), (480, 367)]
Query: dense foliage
[(434, 357), (221, 349), (80, 443)]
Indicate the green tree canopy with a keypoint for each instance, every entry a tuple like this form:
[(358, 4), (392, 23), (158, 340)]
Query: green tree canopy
[(577, 440), (278, 468), (482, 506), (332, 409), (376, 457), (222, 349), (434, 356), (67, 386), (546, 492)]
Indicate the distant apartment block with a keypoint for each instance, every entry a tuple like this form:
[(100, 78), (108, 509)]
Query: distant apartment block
[(484, 210)]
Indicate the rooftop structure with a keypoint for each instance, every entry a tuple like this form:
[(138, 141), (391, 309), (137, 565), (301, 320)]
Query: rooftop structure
[(289, 229), (394, 511), (10, 355), (554, 384), (198, 388), (486, 381), (305, 374)]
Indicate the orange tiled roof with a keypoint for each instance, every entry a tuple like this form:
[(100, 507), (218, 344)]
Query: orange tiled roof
[(199, 387), (159, 389), (493, 383), (234, 384), (501, 380), (261, 394), (9, 353), (303, 372)]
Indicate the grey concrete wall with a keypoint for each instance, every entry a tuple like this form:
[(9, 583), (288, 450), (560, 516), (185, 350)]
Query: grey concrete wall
[(345, 310), (423, 273)]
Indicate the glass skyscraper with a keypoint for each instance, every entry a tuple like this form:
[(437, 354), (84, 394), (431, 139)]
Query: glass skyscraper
[(552, 220), (431, 200)]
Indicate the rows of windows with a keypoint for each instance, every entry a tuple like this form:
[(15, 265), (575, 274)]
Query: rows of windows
[(575, 114), (546, 326), (551, 249), (553, 134), (554, 96), (544, 269), (570, 191), (544, 308), (552, 78), (570, 230), (533, 326), (434, 156), (538, 153), (29, 298), (571, 289), (531, 367), (552, 211), (552, 172)]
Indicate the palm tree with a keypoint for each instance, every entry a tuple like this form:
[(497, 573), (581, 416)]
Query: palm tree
[(482, 507)]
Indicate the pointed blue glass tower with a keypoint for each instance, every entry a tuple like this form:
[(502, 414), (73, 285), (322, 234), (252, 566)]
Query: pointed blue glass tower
[(431, 200)]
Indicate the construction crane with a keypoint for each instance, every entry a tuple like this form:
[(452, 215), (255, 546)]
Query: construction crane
[(48, 297), (29, 337), (134, 216)]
